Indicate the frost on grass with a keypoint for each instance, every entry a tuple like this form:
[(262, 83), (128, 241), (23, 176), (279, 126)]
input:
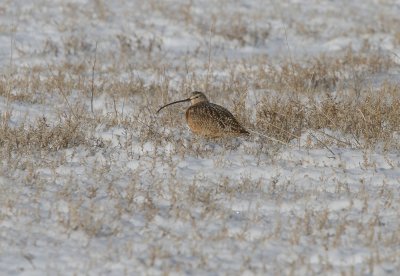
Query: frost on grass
[(122, 190)]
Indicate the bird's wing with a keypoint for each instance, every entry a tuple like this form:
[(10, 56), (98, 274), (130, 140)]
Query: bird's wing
[(225, 119)]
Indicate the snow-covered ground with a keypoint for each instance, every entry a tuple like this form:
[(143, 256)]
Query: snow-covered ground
[(124, 191)]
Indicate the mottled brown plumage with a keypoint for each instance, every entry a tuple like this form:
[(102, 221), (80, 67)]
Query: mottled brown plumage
[(210, 120)]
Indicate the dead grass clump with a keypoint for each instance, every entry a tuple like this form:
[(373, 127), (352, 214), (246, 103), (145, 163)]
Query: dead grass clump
[(280, 118), (318, 74), (42, 136), (370, 120), (366, 61), (19, 89), (323, 73), (128, 88)]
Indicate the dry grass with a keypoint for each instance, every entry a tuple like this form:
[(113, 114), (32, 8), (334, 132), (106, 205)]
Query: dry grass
[(198, 206), (324, 74), (43, 136), (120, 173), (324, 94), (369, 120)]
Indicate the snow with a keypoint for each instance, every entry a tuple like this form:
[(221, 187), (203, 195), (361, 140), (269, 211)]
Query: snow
[(187, 205)]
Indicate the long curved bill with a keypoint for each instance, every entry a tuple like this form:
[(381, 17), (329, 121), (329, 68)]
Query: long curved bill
[(181, 101)]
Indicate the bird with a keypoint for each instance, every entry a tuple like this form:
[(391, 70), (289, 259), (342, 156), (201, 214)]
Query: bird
[(209, 120)]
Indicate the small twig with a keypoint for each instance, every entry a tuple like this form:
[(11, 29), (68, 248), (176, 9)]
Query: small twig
[(333, 137), (323, 114), (92, 88), (7, 112), (300, 129), (62, 92), (322, 143), (281, 129), (288, 48), (29, 258), (355, 138), (333, 123), (115, 107), (279, 11), (209, 56), (362, 115), (269, 138)]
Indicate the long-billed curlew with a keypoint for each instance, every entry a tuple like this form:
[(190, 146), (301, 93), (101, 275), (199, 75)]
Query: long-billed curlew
[(208, 119)]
